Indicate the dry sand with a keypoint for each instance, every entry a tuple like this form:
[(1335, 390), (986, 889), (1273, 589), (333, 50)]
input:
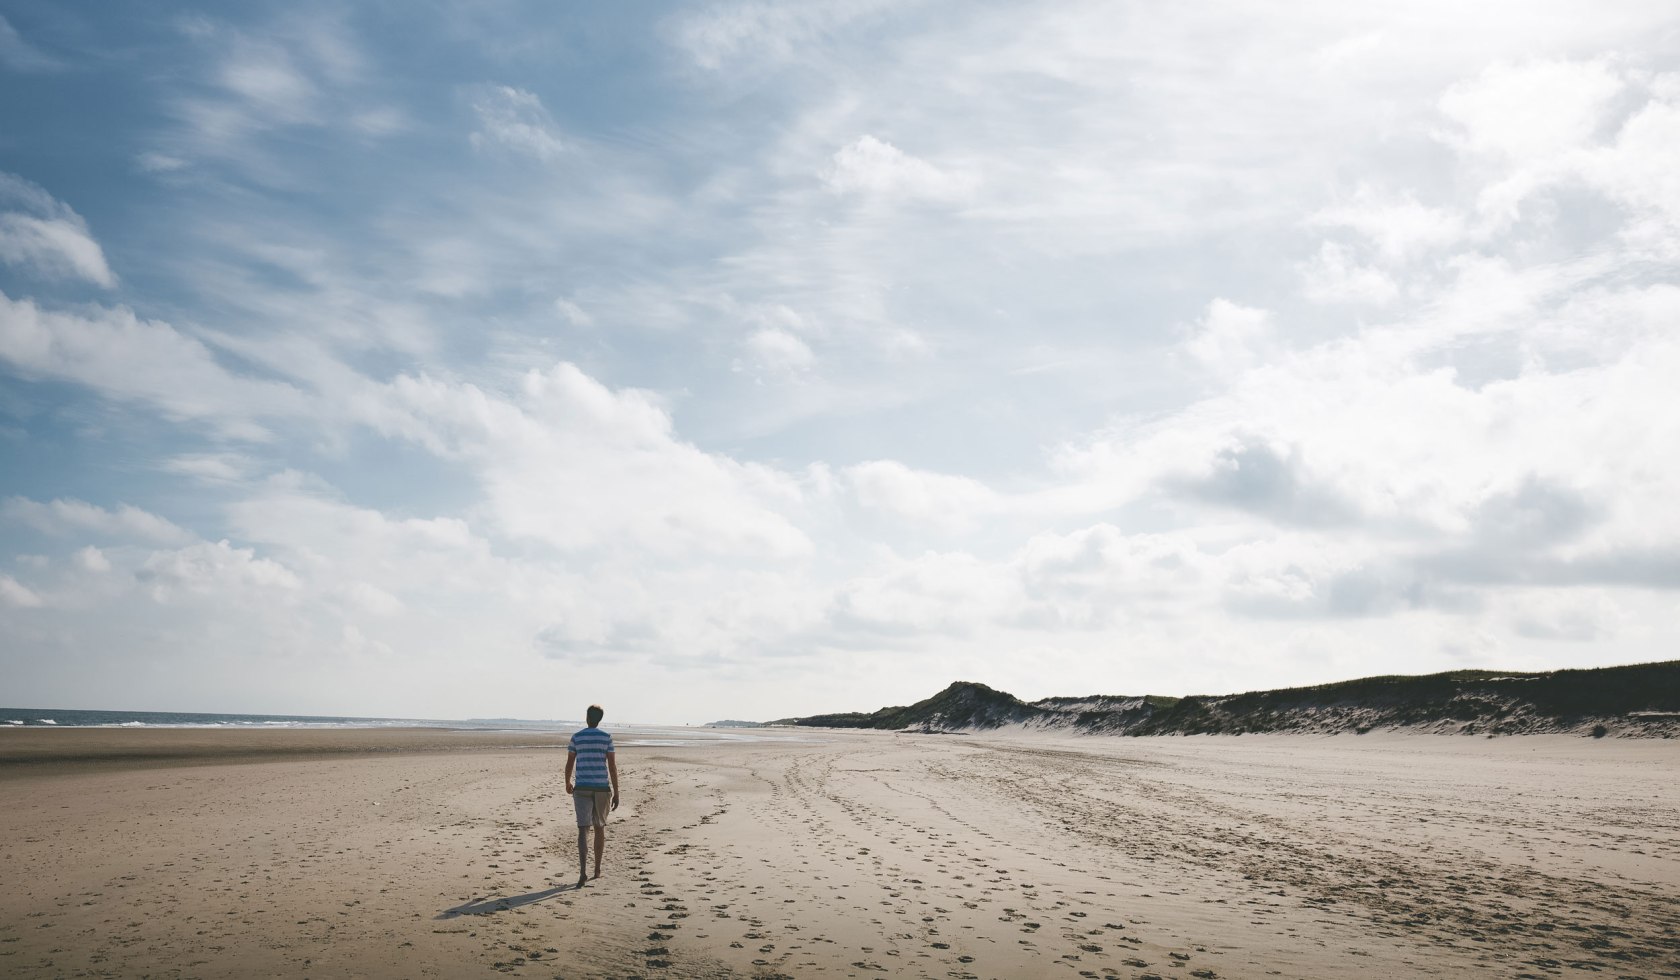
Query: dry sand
[(408, 854)]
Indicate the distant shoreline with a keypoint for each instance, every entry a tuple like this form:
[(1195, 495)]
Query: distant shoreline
[(43, 749), (104, 718)]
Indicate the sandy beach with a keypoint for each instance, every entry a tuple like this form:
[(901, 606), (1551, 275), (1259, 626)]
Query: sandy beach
[(425, 853)]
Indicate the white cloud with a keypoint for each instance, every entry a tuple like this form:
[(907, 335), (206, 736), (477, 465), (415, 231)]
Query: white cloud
[(125, 357), (381, 121), (297, 70), (14, 593), (265, 77), (91, 559), (933, 499), (724, 33), (1348, 53), (922, 598), (212, 468), (1580, 616), (219, 569), (65, 516), (44, 236), (572, 313), (580, 466), (1335, 276), (19, 55), (1396, 224), (1406, 428), (778, 352), (1531, 111), (872, 167), (515, 119), (570, 462), (152, 161), (374, 599), (1554, 127), (1230, 337), (1639, 170), (1099, 575), (298, 515), (481, 408)]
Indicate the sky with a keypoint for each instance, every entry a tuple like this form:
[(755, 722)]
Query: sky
[(746, 360)]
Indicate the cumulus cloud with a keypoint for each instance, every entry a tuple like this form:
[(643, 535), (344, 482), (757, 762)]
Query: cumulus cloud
[(299, 517), (569, 461), (1101, 577), (1231, 337), (212, 468), (1638, 169), (1579, 616), (572, 313), (1429, 416), (1531, 111), (1325, 575), (935, 499), (1397, 224), (871, 167), (373, 599), (578, 465), (77, 517), (1334, 275), (1537, 513), (91, 559), (42, 235), (936, 593), (217, 568), (1273, 481), (596, 634), (514, 119), (778, 352), (125, 357), (14, 593), (1104, 560), (1554, 127)]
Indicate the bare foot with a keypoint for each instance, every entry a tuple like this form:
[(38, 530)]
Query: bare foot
[(582, 880)]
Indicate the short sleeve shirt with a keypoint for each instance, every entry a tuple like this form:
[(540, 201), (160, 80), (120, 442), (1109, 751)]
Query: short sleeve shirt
[(592, 746)]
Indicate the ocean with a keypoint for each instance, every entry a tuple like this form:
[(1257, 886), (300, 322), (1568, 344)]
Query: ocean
[(82, 718), (637, 734)]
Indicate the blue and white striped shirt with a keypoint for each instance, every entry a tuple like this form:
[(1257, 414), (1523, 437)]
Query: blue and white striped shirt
[(592, 746)]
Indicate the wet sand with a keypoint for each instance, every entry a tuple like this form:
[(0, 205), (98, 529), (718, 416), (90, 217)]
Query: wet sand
[(395, 854)]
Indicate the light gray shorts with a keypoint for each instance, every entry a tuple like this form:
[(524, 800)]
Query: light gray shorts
[(592, 805)]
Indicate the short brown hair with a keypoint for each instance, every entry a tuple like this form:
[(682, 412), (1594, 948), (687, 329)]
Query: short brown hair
[(594, 715)]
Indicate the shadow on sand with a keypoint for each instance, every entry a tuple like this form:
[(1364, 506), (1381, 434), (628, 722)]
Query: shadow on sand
[(486, 906)]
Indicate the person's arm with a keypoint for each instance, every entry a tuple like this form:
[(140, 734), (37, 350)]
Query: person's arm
[(612, 770), (571, 764)]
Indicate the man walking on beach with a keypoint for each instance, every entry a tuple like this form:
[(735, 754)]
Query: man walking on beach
[(595, 793)]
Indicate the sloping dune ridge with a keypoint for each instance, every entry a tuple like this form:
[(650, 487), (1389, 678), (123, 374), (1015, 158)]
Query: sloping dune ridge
[(1637, 700)]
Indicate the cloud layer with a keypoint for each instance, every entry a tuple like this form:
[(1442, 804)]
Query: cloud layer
[(780, 360)]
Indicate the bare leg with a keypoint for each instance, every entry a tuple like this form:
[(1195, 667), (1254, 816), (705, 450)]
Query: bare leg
[(583, 855), (600, 848)]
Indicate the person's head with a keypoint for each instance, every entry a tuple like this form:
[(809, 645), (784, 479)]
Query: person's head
[(594, 715)]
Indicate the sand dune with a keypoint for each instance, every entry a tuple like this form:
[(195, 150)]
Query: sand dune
[(863, 854)]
